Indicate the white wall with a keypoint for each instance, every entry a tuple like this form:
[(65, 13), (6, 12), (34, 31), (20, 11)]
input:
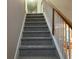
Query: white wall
[(59, 28), (15, 16), (39, 8), (65, 6), (59, 34), (26, 6), (48, 15)]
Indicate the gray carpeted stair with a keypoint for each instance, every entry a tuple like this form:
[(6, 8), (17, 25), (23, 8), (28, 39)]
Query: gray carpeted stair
[(36, 42)]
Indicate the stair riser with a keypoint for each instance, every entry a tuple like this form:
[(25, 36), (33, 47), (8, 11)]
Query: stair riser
[(36, 34), (41, 22), (37, 52), (35, 29), (34, 19), (36, 42), (35, 16), (36, 24)]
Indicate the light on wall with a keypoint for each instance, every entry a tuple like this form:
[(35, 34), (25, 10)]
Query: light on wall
[(31, 0)]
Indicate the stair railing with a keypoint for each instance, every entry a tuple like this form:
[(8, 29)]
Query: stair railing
[(61, 28)]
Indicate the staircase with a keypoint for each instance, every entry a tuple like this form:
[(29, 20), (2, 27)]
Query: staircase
[(36, 42)]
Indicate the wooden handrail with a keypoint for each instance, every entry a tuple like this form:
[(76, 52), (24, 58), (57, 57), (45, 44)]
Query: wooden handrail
[(60, 13)]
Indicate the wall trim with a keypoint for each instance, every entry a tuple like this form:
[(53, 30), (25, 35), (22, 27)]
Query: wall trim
[(58, 49), (19, 40)]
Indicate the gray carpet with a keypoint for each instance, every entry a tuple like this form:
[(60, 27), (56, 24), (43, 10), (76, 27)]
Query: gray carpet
[(36, 41)]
